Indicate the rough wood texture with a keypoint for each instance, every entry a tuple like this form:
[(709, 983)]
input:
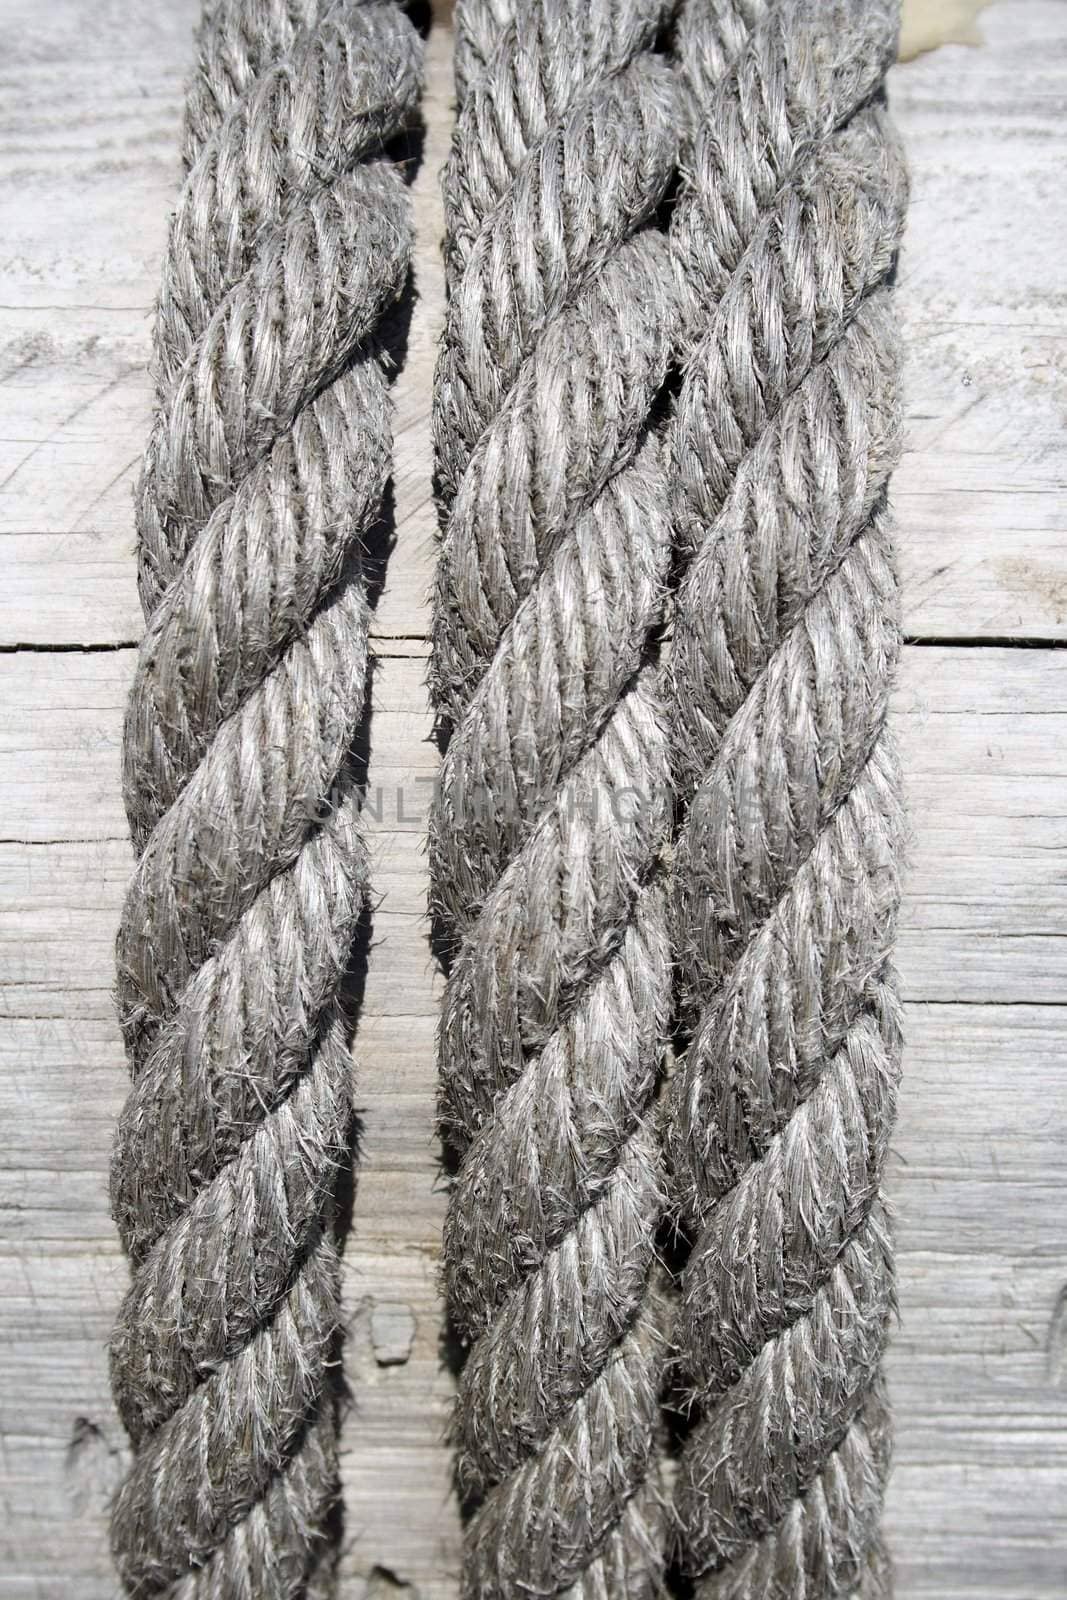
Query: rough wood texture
[(88, 170)]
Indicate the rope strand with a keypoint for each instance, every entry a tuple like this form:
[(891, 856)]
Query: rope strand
[(785, 883), (265, 467), (551, 816)]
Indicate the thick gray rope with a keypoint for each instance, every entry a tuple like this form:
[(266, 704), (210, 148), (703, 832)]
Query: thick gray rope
[(551, 817), (265, 467), (786, 866)]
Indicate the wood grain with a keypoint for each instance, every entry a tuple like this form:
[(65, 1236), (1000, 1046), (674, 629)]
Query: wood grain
[(88, 173)]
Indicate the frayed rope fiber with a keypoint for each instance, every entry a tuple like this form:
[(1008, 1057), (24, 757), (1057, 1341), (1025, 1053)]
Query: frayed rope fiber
[(265, 467), (746, 505)]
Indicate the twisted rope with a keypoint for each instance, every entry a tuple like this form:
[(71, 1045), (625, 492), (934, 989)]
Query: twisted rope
[(265, 467), (552, 810), (786, 865)]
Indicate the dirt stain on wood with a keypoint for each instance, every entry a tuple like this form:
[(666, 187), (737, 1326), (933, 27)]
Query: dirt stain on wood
[(1036, 580)]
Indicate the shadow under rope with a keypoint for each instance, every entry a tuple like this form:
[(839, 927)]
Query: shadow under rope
[(369, 568)]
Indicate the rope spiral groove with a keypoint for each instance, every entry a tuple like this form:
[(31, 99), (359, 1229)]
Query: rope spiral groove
[(264, 469)]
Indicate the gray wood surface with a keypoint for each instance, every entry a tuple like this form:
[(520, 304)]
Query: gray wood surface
[(89, 105)]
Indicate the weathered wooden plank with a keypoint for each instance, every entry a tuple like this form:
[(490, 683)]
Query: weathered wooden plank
[(977, 1182), (984, 738), (983, 535), (982, 528), (981, 1419), (89, 168)]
